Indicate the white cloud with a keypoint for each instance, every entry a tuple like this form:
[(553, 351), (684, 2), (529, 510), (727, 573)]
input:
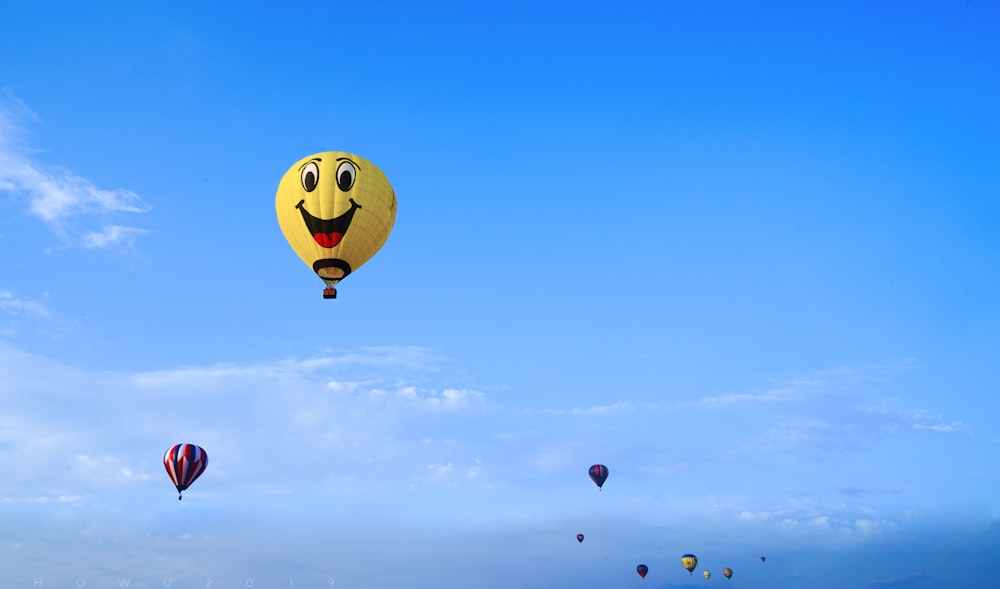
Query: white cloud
[(944, 428), (103, 432), (605, 409), (343, 429), (599, 410), (56, 194), (736, 399), (826, 517), (786, 391), (440, 470), (802, 435), (752, 516), (899, 580), (110, 235), (343, 386), (405, 357), (431, 400), (865, 527), (110, 470), (69, 204), (826, 411), (837, 383), (902, 419), (11, 303), (454, 399)]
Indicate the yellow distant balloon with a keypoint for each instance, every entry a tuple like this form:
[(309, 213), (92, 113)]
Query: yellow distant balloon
[(708, 575), (689, 561), (336, 210)]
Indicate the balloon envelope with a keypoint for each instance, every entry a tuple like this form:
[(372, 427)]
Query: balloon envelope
[(728, 572), (599, 474), (336, 210), (708, 575), (184, 464), (642, 570), (689, 561), (579, 537)]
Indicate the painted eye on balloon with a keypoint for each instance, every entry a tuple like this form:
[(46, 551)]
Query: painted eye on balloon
[(310, 176), (346, 175)]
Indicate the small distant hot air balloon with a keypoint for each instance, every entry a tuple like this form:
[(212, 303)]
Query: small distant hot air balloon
[(689, 561), (642, 570), (728, 572), (708, 575), (599, 474), (579, 537), (763, 558), (184, 464)]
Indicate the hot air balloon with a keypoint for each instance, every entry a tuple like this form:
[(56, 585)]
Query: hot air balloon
[(336, 210), (184, 464), (642, 570), (599, 474), (579, 537), (708, 575), (727, 572), (689, 561), (762, 559)]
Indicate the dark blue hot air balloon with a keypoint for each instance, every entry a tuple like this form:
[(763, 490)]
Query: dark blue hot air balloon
[(599, 474)]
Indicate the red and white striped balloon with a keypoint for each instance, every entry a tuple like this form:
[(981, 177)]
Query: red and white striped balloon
[(184, 464)]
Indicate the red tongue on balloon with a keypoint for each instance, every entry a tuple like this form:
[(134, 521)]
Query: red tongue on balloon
[(328, 239)]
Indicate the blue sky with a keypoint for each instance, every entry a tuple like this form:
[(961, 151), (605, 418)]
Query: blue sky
[(746, 256)]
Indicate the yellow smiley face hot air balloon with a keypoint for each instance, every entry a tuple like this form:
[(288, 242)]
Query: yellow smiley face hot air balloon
[(336, 210)]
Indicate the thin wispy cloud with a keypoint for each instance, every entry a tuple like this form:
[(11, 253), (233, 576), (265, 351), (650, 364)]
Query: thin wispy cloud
[(805, 388), (598, 410), (445, 400), (866, 491), (896, 419), (943, 428), (16, 305), (110, 236), (828, 410), (78, 211), (821, 518), (408, 357), (373, 361), (801, 435), (899, 581), (21, 315)]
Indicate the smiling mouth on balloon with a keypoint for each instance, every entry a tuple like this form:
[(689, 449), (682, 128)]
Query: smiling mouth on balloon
[(328, 232)]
